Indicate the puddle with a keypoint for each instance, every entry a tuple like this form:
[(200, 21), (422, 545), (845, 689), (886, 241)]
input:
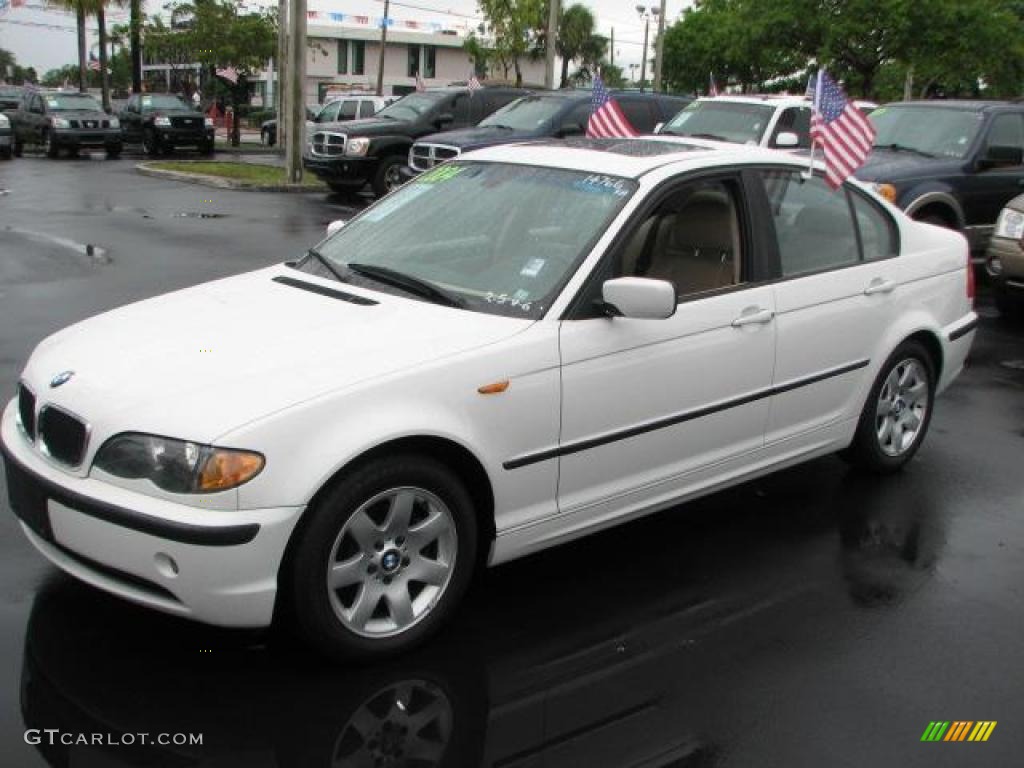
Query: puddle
[(94, 252), (199, 215), (1013, 365)]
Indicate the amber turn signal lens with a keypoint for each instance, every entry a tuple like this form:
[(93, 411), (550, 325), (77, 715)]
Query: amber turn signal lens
[(888, 191), (224, 469), (493, 389)]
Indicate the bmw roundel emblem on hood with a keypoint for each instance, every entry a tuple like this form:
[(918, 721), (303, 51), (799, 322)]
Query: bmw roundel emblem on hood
[(61, 378)]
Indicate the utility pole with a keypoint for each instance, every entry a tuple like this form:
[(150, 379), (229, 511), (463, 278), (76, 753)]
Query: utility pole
[(101, 22), (383, 47), (549, 52), (611, 48), (643, 61), (136, 38), (296, 117), (281, 93), (658, 46)]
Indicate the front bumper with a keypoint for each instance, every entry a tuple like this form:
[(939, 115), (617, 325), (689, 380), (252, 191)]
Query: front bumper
[(956, 340), (185, 137), (219, 567), (87, 137), (341, 168), (5, 138)]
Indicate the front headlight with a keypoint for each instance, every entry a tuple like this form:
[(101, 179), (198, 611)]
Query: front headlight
[(208, 122), (4, 121), (1010, 224), (177, 466), (357, 147), (161, 121), (888, 191), (59, 122), (115, 123)]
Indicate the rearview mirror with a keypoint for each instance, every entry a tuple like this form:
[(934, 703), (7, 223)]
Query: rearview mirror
[(787, 139), (998, 154), (639, 297), (334, 226)]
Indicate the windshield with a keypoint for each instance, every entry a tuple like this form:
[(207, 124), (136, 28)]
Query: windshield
[(500, 238), (60, 102), (412, 106), (162, 101), (933, 130), (526, 114), (723, 120)]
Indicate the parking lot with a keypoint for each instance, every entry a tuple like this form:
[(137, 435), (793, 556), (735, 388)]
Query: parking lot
[(816, 617)]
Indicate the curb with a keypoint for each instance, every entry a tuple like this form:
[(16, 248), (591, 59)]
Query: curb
[(221, 183)]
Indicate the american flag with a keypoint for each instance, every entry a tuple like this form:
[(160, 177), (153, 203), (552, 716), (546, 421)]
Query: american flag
[(473, 83), (606, 118), (94, 63), (843, 131), (713, 86), (229, 73), (420, 85)]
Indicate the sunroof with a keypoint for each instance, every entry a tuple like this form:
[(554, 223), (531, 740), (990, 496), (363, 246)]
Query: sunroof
[(629, 147)]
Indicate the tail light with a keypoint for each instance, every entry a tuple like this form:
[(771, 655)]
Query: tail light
[(970, 276)]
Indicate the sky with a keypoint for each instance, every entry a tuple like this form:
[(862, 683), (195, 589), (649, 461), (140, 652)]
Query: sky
[(45, 39)]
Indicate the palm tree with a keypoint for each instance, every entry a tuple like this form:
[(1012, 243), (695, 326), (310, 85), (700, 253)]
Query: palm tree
[(81, 9), (136, 42), (575, 32)]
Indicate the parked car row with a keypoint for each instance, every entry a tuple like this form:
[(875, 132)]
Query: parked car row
[(337, 110)]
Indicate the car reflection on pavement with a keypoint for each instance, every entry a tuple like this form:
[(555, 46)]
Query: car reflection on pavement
[(527, 684)]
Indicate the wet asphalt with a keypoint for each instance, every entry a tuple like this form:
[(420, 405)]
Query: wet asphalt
[(817, 617)]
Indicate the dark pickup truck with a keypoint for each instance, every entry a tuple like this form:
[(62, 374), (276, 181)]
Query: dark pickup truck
[(348, 155), (162, 121), (554, 114), (952, 163), (64, 120)]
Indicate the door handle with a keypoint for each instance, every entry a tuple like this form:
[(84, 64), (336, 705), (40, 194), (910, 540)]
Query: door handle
[(879, 285), (753, 316)]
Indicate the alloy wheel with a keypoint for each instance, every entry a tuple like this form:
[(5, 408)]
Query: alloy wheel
[(393, 178), (901, 407), (391, 562)]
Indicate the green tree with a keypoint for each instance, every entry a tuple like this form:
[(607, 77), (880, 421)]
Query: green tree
[(516, 28), (575, 41)]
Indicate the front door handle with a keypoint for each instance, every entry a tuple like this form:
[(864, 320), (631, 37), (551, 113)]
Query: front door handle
[(879, 285), (753, 316)]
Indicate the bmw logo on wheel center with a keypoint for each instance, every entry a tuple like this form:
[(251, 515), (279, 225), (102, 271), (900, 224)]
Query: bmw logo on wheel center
[(61, 378)]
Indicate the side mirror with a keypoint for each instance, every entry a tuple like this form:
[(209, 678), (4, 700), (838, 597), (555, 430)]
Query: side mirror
[(334, 226), (787, 139), (658, 127), (640, 297), (570, 129), (997, 154), (445, 118)]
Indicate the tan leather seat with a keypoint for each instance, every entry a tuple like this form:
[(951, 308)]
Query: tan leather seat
[(697, 248)]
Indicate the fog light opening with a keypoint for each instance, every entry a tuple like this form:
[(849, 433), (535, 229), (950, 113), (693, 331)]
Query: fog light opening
[(166, 565)]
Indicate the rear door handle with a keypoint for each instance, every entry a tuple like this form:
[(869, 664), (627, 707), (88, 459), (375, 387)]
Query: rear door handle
[(879, 285), (753, 316)]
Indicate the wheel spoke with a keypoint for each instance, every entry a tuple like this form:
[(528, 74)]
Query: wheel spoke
[(883, 408), (348, 572), (896, 439), (911, 421), (428, 530), (400, 512), (363, 530), (885, 432), (400, 605), (916, 393), (427, 571), (365, 604)]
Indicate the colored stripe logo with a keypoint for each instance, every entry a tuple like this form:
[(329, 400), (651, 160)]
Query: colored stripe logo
[(959, 730)]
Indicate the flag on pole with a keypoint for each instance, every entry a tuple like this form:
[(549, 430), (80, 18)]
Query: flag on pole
[(845, 134), (94, 63), (809, 93), (229, 73), (606, 119), (420, 85), (473, 83), (713, 86)]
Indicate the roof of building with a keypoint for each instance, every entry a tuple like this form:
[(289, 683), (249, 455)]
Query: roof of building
[(395, 36)]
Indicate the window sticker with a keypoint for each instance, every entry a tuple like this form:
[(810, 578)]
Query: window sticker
[(532, 268), (440, 174), (51, 103), (389, 205), (147, 101), (519, 299), (602, 185)]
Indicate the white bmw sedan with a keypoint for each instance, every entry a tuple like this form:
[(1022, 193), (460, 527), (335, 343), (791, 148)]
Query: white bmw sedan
[(518, 348)]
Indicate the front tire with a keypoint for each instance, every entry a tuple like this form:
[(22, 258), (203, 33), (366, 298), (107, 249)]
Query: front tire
[(267, 138), (113, 152), (150, 143), (385, 556), (50, 147), (898, 411), (388, 177), (18, 149), (206, 149), (6, 153)]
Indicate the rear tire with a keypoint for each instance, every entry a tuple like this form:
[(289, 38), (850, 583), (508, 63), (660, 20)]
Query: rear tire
[(267, 138), (113, 153), (898, 410), (206, 149), (1010, 309), (150, 143), (398, 535)]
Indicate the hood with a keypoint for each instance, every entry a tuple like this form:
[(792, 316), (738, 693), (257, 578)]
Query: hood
[(367, 126), (174, 113), (200, 362), (481, 136), (82, 114), (887, 165)]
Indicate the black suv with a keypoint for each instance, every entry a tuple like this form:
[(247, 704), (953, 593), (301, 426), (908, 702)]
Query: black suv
[(552, 114), (952, 163), (347, 155), (64, 120), (162, 121), (10, 97)]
